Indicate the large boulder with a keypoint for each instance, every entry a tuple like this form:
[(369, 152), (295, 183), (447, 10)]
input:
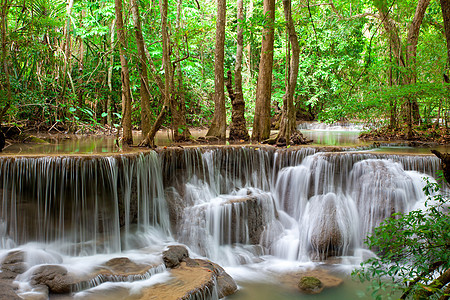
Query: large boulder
[(7, 291), (55, 277), (192, 279), (174, 255), (13, 264)]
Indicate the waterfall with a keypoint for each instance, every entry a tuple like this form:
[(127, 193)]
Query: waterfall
[(80, 204), (230, 204)]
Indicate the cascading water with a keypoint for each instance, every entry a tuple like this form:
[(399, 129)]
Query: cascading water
[(232, 205)]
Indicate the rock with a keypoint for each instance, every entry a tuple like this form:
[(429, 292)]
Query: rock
[(291, 280), (225, 283), (174, 255), (54, 277), (328, 228), (13, 265), (310, 285), (7, 291), (193, 279)]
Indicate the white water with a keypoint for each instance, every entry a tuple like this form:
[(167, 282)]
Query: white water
[(256, 212)]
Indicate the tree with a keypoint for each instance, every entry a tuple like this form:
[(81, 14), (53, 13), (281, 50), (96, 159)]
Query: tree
[(238, 128), (178, 105), (148, 141), (413, 251), (288, 120), (7, 84), (219, 124), (405, 59), (261, 123), (127, 136), (144, 90)]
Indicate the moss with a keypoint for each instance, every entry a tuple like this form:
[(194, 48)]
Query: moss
[(310, 285)]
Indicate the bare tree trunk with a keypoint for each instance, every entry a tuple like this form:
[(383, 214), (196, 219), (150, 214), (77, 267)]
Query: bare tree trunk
[(238, 128), (406, 60), (80, 92), (4, 15), (110, 73), (178, 106), (149, 139), (261, 123), (249, 47), (144, 90), (67, 49), (218, 125), (445, 6), (287, 126), (127, 136)]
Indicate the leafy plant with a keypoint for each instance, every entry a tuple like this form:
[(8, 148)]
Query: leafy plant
[(413, 251)]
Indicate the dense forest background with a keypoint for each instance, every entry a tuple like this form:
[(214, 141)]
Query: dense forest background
[(77, 65)]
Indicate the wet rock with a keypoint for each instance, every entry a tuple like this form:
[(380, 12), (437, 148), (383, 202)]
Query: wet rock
[(193, 279), (225, 283), (329, 233), (328, 280), (174, 255), (7, 291), (54, 277), (13, 265), (310, 285)]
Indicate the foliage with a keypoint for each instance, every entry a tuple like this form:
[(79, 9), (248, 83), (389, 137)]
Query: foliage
[(413, 250)]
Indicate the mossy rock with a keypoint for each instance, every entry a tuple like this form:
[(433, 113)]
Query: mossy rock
[(25, 138), (310, 285)]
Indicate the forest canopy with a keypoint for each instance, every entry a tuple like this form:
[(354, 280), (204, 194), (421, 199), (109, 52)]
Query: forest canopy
[(77, 65)]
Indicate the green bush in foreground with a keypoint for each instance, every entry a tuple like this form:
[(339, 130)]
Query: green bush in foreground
[(413, 252)]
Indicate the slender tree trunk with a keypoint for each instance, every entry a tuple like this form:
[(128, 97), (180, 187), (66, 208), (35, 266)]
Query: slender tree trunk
[(4, 22), (287, 126), (144, 90), (109, 119), (67, 49), (218, 125), (80, 92), (149, 139), (445, 6), (238, 128), (249, 47), (127, 136), (178, 106), (261, 123), (406, 60)]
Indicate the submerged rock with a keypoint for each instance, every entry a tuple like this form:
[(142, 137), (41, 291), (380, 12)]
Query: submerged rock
[(297, 281), (310, 285)]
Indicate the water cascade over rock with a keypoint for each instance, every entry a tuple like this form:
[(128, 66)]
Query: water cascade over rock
[(232, 205)]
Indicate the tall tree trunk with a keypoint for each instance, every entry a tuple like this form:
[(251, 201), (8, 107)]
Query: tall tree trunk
[(67, 50), (445, 6), (80, 91), (148, 141), (7, 84), (287, 126), (261, 123), (238, 128), (127, 136), (406, 60), (249, 47), (109, 119), (178, 104), (144, 90), (218, 125)]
